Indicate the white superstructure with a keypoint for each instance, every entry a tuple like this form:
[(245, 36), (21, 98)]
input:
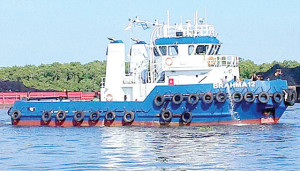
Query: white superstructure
[(178, 54)]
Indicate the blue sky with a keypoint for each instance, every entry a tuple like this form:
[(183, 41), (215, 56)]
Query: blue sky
[(46, 31)]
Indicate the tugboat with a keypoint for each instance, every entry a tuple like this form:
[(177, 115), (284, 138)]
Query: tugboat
[(178, 79)]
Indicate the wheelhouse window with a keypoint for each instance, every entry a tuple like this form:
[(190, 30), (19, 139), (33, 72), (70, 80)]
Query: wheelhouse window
[(201, 49), (155, 52), (218, 48), (163, 50), (212, 50), (173, 50), (191, 49)]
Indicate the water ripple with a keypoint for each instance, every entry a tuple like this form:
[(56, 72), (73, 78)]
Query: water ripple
[(232, 147)]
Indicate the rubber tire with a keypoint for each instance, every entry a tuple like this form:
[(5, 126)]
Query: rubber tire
[(261, 95), (189, 119), (44, 116), (174, 99), (58, 115), (240, 97), (210, 95), (16, 115), (159, 100), (277, 94), (166, 119), (113, 116), (94, 119), (191, 96), (221, 97), (252, 97), (80, 118), (291, 97), (125, 119)]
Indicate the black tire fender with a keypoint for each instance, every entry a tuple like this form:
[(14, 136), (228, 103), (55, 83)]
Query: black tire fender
[(110, 116), (291, 97), (128, 117), (166, 115), (60, 115), (177, 99), (46, 116), (193, 99), (263, 97), (186, 117), (237, 97), (249, 97), (16, 115), (159, 100), (221, 97), (78, 116), (94, 116), (277, 97), (208, 97)]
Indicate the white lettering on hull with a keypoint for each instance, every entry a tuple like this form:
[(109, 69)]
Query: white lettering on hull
[(234, 84)]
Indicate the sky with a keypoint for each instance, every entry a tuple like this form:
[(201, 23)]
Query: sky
[(34, 32)]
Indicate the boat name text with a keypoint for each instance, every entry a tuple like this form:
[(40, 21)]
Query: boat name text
[(234, 84)]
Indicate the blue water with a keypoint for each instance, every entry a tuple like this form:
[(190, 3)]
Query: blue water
[(234, 147)]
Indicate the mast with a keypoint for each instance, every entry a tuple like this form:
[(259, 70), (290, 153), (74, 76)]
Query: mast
[(196, 23), (168, 22)]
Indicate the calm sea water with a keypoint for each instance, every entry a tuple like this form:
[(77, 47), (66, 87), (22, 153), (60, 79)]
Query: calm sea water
[(234, 147)]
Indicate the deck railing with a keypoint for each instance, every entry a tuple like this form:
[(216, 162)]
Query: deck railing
[(222, 60), (11, 97)]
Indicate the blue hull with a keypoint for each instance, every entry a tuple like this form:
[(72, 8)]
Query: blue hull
[(203, 112)]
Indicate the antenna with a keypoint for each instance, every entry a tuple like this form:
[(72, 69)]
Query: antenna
[(196, 23), (205, 15), (181, 20), (168, 21)]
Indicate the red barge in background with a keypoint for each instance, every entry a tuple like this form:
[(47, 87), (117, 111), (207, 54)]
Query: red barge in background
[(8, 98)]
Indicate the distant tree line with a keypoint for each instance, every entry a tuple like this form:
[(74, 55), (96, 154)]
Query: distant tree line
[(75, 76), (70, 76), (248, 68)]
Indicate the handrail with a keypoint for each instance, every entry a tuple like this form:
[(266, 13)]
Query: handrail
[(222, 60)]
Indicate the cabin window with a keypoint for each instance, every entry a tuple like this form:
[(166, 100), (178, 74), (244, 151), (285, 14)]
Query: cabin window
[(173, 50), (212, 49), (218, 48), (155, 52), (191, 49), (163, 50), (201, 49)]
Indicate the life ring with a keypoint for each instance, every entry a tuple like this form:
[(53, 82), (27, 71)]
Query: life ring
[(166, 115), (211, 61), (169, 61), (159, 100), (290, 97), (94, 116), (110, 115), (237, 97), (109, 97), (46, 116), (186, 117), (78, 116), (177, 99), (128, 117), (16, 115), (60, 115), (193, 99), (208, 97), (277, 97), (263, 97), (249, 97), (221, 97)]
